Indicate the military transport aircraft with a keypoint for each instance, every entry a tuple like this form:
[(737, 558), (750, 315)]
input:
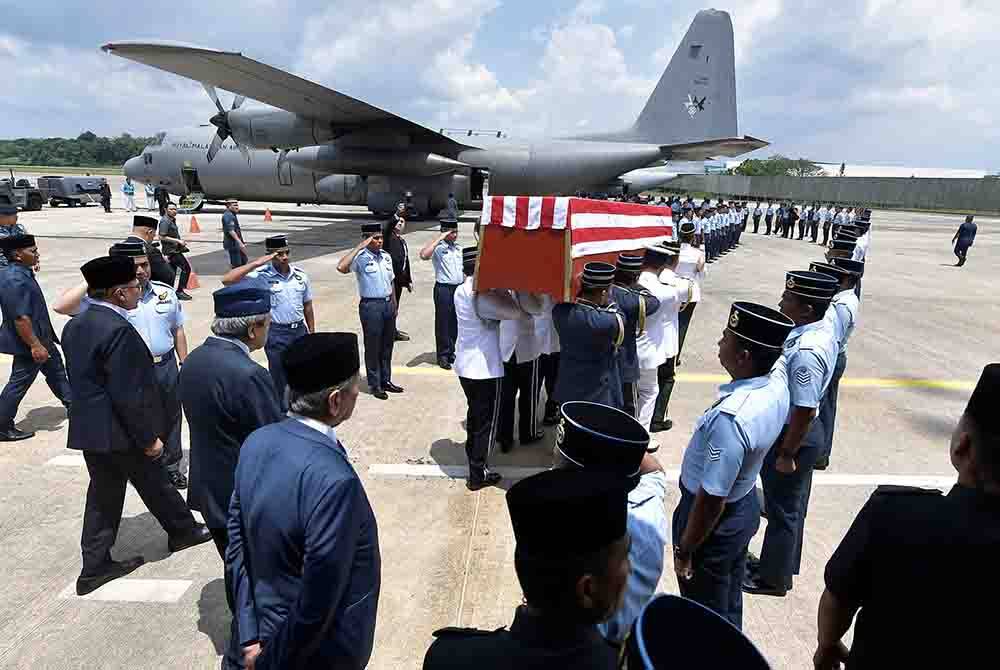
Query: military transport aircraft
[(316, 145)]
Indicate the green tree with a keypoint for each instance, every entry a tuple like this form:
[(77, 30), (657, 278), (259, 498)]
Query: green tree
[(778, 166), (86, 150)]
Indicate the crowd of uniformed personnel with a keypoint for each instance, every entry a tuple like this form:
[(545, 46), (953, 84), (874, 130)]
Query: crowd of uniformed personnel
[(291, 519)]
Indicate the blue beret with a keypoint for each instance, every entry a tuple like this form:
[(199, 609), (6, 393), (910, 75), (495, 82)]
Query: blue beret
[(247, 298)]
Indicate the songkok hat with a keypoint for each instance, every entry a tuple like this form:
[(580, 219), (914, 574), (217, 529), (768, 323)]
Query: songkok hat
[(831, 270), (568, 512), (598, 275), (132, 249), (629, 263), (866, 215), (371, 228), (276, 243), (810, 284), (140, 221), (844, 245), (448, 223), (759, 324), (13, 242), (985, 399), (108, 271), (8, 210), (852, 266), (599, 437), (710, 641), (687, 228), (245, 298), (318, 361), (469, 256)]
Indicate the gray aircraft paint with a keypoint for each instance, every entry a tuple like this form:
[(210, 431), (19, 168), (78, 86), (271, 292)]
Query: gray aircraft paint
[(318, 142)]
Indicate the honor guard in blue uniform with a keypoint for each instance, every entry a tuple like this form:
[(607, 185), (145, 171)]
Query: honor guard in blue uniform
[(26, 333), (603, 439), (963, 239), (292, 313), (590, 332), (718, 513), (446, 256), (571, 535), (709, 641), (303, 565), (232, 235), (119, 420), (636, 304), (857, 267), (226, 396), (842, 317), (9, 226), (810, 355), (905, 537), (842, 247), (372, 267)]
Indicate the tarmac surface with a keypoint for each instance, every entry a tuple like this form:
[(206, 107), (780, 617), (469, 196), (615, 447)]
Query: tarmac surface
[(923, 336)]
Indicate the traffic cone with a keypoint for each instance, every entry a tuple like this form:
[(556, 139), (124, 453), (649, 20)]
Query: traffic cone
[(195, 228), (267, 214), (192, 282)]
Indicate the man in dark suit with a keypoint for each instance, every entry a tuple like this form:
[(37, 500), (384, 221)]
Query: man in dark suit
[(226, 396), (26, 333), (118, 423), (303, 560)]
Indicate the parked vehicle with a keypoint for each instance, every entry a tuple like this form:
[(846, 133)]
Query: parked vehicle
[(72, 190), (21, 193)]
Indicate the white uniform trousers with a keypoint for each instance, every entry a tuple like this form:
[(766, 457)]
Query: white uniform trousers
[(649, 388)]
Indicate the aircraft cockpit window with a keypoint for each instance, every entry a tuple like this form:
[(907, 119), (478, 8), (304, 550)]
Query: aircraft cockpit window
[(694, 51)]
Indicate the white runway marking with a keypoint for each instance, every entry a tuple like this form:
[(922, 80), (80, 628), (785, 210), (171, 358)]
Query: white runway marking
[(68, 460), (820, 478), (134, 591)]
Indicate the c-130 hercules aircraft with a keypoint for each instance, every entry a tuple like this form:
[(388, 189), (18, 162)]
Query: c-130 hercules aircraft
[(316, 145)]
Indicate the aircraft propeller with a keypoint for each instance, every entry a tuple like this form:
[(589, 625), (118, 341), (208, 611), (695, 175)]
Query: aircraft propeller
[(221, 122)]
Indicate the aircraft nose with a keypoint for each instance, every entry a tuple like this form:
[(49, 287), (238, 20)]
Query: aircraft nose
[(132, 167)]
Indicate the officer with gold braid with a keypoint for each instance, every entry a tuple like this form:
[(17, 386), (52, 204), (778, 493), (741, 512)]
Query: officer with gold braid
[(591, 330)]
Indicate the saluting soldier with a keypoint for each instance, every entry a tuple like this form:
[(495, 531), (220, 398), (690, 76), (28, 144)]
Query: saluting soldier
[(907, 536), (119, 420), (811, 356), (590, 332), (571, 559), (636, 303), (373, 268), (718, 513), (292, 314), (26, 334), (446, 257)]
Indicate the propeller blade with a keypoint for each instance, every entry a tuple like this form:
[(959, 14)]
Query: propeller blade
[(281, 157), (213, 149), (238, 101), (213, 95)]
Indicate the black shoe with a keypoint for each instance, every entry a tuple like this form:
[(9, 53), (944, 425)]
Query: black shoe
[(113, 570), (14, 435), (486, 479), (661, 426), (392, 388), (177, 479), (444, 364), (753, 564), (755, 586), (822, 464), (402, 337), (380, 394), (181, 295), (197, 535), (505, 447), (531, 439)]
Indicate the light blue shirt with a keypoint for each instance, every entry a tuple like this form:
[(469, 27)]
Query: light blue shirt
[(289, 293), (733, 436), (447, 261), (156, 318), (842, 315), (374, 274), (648, 528), (811, 354)]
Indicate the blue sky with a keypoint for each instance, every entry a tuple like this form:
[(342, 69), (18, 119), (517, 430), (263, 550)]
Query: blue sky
[(864, 81)]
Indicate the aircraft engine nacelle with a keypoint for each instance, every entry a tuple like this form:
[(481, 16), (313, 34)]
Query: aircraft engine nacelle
[(336, 159), (277, 129), (342, 189), (429, 194)]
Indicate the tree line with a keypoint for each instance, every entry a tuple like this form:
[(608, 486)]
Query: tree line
[(778, 166), (86, 150)]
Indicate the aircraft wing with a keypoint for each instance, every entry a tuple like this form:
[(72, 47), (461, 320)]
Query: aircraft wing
[(696, 151), (234, 72)]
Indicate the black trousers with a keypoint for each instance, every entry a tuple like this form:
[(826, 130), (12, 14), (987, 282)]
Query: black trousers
[(768, 220), (814, 229), (179, 262), (167, 378), (445, 321), (786, 228), (548, 365), (802, 228), (237, 257), (279, 336), (630, 392), (23, 373), (520, 382), (483, 397), (665, 380), (683, 322), (826, 233), (378, 323), (756, 223), (109, 473)]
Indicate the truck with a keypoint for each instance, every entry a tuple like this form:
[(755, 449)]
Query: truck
[(71, 190), (21, 193)]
